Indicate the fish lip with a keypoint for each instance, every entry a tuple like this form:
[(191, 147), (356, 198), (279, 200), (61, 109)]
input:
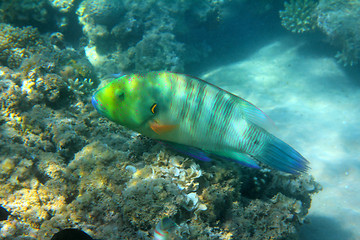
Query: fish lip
[(94, 102), (97, 106)]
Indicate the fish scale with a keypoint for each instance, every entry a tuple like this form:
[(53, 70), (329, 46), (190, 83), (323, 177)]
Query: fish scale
[(191, 119), (217, 115), (196, 118)]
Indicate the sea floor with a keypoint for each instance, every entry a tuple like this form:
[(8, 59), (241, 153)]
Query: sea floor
[(314, 103)]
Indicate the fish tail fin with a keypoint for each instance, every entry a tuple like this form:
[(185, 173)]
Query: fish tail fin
[(281, 156)]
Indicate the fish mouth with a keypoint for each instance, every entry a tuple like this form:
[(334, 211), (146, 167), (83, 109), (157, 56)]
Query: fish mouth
[(97, 106)]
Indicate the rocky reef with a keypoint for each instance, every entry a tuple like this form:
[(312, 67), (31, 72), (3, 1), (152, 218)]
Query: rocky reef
[(63, 166)]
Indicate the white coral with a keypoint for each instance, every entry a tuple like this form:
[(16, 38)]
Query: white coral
[(182, 171), (79, 87)]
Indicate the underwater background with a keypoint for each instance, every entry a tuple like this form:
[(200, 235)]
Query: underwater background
[(62, 165)]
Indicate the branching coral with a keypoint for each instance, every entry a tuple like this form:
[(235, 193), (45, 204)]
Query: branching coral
[(79, 87), (299, 15)]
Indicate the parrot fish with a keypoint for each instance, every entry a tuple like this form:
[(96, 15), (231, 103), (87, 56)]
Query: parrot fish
[(164, 229), (197, 119)]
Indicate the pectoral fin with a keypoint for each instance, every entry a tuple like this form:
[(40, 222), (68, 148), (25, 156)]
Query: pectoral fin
[(256, 116)]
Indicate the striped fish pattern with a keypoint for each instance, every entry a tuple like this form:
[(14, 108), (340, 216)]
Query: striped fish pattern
[(196, 118)]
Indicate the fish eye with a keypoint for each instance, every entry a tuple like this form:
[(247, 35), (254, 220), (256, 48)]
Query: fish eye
[(153, 108), (120, 96)]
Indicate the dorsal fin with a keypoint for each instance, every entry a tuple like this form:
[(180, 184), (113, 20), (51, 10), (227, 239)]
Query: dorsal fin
[(251, 113), (255, 115)]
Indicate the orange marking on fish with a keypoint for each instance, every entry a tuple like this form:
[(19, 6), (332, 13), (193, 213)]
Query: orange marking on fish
[(160, 129)]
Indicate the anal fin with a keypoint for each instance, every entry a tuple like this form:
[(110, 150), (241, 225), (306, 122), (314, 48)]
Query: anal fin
[(206, 156), (189, 151), (238, 157)]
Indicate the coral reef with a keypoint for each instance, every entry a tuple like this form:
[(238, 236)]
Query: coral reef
[(64, 167), (299, 15)]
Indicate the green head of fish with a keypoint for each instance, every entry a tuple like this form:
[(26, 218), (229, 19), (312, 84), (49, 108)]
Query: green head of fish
[(132, 100)]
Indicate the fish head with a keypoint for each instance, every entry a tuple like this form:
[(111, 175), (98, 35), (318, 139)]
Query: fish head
[(129, 101)]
